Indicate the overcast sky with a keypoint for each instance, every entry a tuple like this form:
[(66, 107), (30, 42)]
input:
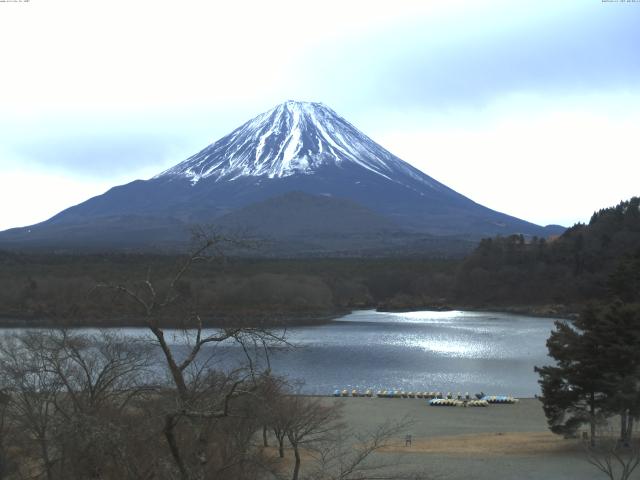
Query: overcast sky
[(531, 108)]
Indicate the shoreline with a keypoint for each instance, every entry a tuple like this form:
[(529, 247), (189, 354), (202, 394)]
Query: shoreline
[(541, 311), (282, 320)]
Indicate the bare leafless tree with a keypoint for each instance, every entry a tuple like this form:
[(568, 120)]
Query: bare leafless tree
[(5, 462), (202, 394), (33, 394), (97, 371), (103, 376), (313, 426), (349, 455), (615, 458), (308, 421), (68, 399)]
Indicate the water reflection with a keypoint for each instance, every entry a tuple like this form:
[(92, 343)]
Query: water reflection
[(449, 347), (445, 351), (432, 351)]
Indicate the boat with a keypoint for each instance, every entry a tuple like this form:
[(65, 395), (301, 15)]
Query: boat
[(507, 399), (446, 402)]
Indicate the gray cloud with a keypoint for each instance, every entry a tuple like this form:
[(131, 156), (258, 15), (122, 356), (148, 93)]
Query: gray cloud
[(591, 49), (98, 155), (101, 146), (419, 65)]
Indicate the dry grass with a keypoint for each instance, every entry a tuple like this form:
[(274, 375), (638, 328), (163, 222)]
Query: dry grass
[(488, 444), (284, 466)]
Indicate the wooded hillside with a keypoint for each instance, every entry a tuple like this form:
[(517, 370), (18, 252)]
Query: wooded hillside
[(571, 269)]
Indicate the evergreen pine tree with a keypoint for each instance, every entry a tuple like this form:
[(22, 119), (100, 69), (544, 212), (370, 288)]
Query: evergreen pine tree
[(572, 390), (597, 374), (619, 327)]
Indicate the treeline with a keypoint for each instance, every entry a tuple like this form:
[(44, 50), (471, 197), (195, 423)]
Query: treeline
[(502, 272), (61, 288), (572, 269)]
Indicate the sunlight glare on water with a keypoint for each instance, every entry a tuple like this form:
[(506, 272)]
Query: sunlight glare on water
[(420, 351), (453, 350)]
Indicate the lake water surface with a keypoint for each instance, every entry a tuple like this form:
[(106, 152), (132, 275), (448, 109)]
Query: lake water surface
[(434, 351), (418, 351)]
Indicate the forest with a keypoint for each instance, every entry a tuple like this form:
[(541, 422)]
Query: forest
[(60, 289), (536, 275), (571, 270)]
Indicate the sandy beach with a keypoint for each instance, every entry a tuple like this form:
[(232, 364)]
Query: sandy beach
[(495, 442)]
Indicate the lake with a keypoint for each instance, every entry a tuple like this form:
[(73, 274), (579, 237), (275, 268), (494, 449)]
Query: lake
[(416, 351), (433, 351)]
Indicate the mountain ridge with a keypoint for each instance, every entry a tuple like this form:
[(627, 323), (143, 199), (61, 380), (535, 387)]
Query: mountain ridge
[(294, 147), (291, 138)]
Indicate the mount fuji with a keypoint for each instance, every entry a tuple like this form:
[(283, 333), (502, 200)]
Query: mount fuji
[(298, 174)]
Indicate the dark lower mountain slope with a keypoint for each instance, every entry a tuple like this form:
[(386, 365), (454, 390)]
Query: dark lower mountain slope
[(291, 225), (300, 214)]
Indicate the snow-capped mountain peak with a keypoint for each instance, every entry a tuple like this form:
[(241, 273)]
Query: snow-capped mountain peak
[(299, 174), (292, 138)]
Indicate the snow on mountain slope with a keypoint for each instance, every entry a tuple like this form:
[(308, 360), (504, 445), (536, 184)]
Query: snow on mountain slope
[(294, 138), (347, 184)]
